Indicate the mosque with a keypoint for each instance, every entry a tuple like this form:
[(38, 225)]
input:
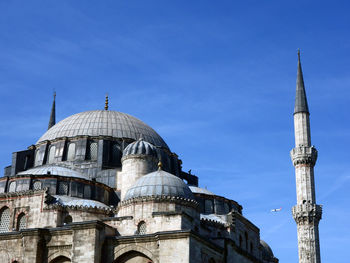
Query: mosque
[(102, 186)]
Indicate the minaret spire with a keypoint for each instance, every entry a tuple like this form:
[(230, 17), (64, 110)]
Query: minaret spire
[(300, 98), (52, 120), (306, 213)]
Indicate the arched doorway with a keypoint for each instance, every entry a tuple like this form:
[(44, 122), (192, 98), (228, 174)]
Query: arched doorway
[(133, 257), (60, 259)]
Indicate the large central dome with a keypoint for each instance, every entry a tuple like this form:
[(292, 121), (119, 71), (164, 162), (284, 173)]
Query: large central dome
[(103, 123)]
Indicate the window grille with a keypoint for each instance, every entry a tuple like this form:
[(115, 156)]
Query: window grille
[(93, 151), (51, 158), (37, 185), (12, 187), (4, 220), (63, 188), (71, 152), (21, 221), (141, 228)]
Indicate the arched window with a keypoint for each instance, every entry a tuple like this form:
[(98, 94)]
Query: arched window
[(92, 151), (37, 185), (251, 247), (67, 220), (246, 240), (208, 206), (87, 191), (240, 241), (4, 220), (21, 221), (71, 152), (51, 158), (12, 187), (141, 228), (37, 158), (115, 154), (63, 188)]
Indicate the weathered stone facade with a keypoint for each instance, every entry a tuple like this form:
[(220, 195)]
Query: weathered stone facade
[(103, 187)]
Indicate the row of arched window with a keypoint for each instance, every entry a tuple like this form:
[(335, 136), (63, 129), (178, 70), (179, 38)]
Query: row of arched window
[(5, 217), (246, 242), (91, 153)]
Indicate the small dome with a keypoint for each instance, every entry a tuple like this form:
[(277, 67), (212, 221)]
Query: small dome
[(266, 250), (157, 184), (53, 170), (140, 147), (103, 123)]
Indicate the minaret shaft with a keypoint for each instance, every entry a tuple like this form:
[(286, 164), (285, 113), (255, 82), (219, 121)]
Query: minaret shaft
[(306, 213), (302, 129)]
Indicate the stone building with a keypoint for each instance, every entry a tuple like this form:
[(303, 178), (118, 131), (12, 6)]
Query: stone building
[(102, 186)]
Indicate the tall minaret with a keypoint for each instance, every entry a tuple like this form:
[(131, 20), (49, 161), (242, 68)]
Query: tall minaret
[(306, 213), (52, 120)]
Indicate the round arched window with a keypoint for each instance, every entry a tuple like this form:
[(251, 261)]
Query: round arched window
[(71, 152), (21, 221), (51, 158), (4, 220), (12, 187), (141, 228)]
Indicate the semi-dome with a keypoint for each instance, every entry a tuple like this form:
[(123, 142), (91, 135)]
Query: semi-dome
[(103, 123), (158, 184), (140, 147), (53, 170)]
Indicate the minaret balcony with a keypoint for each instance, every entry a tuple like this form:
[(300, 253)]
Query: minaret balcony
[(307, 213), (303, 155)]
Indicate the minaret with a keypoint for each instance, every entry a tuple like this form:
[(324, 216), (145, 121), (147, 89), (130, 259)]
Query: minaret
[(306, 213), (52, 120)]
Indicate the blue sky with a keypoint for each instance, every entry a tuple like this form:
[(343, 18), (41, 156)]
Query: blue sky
[(216, 79)]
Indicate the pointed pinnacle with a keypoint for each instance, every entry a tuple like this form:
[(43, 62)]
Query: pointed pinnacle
[(300, 98), (52, 120)]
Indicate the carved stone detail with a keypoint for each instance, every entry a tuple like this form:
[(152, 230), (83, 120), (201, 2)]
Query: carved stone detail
[(304, 155), (307, 213)]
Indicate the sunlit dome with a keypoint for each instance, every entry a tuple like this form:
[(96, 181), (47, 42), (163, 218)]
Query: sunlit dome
[(103, 123), (159, 184)]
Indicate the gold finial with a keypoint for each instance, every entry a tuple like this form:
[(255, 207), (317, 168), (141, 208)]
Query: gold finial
[(160, 165), (106, 102)]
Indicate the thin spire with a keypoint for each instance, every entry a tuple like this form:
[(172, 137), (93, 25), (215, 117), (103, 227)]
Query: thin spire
[(52, 120), (300, 98), (106, 102)]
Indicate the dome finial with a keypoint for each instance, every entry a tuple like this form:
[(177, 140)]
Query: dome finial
[(106, 102), (160, 165)]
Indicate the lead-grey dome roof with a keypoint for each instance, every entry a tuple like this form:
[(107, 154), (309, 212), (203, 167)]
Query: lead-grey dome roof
[(140, 147), (103, 123), (266, 250), (158, 184), (53, 170)]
